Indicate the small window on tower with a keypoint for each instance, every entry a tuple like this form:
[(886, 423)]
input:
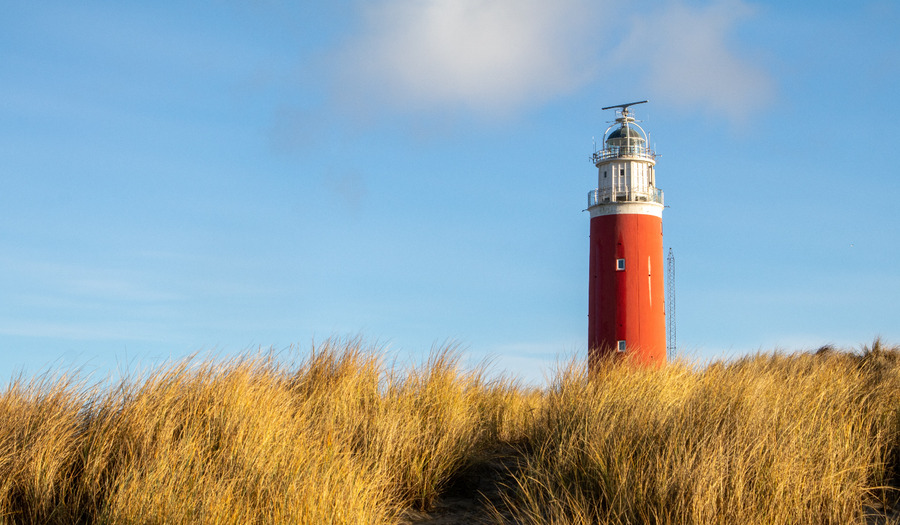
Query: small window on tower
[(604, 174), (621, 346), (620, 265)]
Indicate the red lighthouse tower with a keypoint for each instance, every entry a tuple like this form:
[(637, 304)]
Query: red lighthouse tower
[(626, 305)]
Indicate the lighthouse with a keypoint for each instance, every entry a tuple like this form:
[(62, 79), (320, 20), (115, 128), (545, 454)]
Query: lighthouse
[(626, 303)]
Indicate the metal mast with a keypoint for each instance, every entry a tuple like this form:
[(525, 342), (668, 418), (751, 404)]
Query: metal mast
[(670, 306)]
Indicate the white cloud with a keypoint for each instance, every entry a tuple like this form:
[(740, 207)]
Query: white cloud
[(496, 56), (683, 56), (489, 55)]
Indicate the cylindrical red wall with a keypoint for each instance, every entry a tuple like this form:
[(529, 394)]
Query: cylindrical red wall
[(626, 305)]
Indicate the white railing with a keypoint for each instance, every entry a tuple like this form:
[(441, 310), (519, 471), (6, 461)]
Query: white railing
[(606, 196), (612, 152)]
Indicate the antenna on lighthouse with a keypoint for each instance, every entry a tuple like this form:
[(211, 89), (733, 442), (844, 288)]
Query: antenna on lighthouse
[(670, 306), (625, 107)]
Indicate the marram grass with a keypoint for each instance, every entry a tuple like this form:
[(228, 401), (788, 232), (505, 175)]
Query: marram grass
[(341, 438), (766, 439)]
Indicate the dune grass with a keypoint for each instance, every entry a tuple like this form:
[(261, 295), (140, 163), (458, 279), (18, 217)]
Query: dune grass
[(339, 437), (765, 439)]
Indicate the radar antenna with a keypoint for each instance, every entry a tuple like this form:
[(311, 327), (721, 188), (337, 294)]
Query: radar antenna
[(625, 107)]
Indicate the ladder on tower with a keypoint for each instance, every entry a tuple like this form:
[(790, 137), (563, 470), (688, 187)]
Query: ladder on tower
[(670, 306)]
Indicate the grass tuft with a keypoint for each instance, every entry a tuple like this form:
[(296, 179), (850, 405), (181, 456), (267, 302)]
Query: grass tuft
[(339, 437)]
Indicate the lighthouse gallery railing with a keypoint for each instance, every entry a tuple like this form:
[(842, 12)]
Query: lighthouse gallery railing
[(611, 152), (606, 196)]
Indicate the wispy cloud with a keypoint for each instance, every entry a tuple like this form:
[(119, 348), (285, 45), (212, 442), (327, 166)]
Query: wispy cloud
[(81, 330), (685, 55), (486, 55), (67, 283), (534, 362), (496, 56)]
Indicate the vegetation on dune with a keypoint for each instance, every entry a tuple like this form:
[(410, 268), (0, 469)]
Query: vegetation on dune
[(341, 438), (765, 439)]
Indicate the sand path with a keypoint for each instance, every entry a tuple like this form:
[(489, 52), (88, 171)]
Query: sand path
[(471, 496)]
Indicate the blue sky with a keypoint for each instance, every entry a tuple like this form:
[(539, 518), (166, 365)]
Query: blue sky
[(223, 176)]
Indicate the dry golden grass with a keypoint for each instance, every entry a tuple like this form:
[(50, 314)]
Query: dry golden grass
[(337, 439), (341, 438), (767, 439)]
